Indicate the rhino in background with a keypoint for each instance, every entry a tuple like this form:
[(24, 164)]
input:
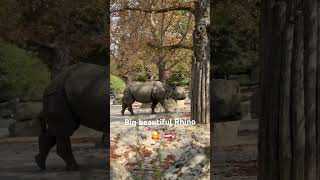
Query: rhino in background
[(76, 96), (149, 92)]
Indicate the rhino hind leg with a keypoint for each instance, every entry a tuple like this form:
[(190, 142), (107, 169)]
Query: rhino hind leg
[(124, 107), (164, 106), (153, 106), (64, 150), (130, 109), (46, 142)]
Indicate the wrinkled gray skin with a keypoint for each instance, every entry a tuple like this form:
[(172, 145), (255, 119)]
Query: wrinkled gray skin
[(148, 92), (77, 96)]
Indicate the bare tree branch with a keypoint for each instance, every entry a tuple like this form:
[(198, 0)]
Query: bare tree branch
[(170, 47), (155, 11)]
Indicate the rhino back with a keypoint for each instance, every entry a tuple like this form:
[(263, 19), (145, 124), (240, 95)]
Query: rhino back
[(144, 92), (86, 89)]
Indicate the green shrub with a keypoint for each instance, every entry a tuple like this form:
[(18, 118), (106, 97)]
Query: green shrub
[(179, 77), (20, 71), (117, 84)]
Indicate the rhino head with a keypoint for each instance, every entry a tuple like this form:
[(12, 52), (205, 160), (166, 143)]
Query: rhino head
[(176, 93)]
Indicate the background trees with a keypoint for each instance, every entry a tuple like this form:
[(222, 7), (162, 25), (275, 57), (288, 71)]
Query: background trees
[(163, 39), (235, 36), (151, 45), (60, 32)]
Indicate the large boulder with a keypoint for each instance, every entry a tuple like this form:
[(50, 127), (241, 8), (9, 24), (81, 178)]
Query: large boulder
[(28, 110), (25, 128), (6, 113), (225, 100), (34, 95), (117, 99)]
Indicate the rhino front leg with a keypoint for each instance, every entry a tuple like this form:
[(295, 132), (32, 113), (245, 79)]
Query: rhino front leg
[(64, 150), (153, 106), (164, 106), (46, 142)]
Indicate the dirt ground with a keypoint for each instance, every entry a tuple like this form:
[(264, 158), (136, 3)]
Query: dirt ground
[(235, 154), (185, 157), (17, 159)]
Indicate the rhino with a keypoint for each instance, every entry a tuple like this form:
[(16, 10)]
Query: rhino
[(149, 92), (76, 96)]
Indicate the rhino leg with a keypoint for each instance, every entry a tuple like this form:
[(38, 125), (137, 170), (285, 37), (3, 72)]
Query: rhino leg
[(64, 150), (130, 109), (124, 107), (46, 142), (164, 106), (153, 106)]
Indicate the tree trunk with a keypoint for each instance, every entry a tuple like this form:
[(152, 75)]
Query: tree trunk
[(289, 133), (298, 118), (162, 69), (310, 70), (200, 65), (265, 35), (273, 104), (285, 154), (318, 90), (60, 60)]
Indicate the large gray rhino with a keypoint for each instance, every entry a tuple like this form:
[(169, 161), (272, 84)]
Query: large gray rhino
[(76, 96), (149, 92)]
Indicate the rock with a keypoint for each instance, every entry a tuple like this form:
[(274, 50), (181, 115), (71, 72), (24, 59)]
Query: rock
[(5, 123), (25, 128), (28, 110), (118, 96), (171, 104), (6, 113), (10, 104), (34, 95), (118, 171), (225, 98), (117, 102), (5, 97), (192, 164), (117, 99), (180, 103)]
